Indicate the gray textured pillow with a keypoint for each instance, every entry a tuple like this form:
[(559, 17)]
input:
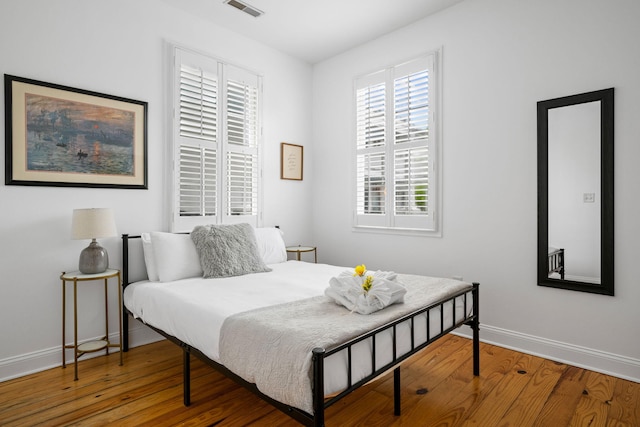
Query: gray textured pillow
[(227, 250)]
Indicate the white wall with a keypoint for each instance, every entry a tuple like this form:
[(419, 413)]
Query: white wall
[(118, 48), (500, 58)]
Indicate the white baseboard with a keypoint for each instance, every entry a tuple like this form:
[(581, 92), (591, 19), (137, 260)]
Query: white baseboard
[(594, 360), (41, 360)]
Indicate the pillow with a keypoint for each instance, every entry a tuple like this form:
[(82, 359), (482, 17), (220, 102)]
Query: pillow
[(175, 256), (227, 250), (270, 245), (149, 258)]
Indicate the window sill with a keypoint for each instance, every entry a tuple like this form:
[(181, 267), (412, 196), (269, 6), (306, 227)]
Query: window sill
[(397, 231)]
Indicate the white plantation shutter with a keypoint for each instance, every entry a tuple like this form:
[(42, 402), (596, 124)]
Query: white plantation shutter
[(370, 144), (411, 149), (411, 181), (411, 107), (371, 184), (198, 103), (371, 116), (242, 113), (242, 183), (395, 173), (197, 181), (242, 119), (197, 139), (217, 138)]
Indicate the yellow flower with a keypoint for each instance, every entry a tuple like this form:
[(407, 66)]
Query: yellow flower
[(367, 284), (360, 270)]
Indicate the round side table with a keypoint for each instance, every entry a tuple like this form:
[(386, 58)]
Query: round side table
[(92, 346), (300, 249)]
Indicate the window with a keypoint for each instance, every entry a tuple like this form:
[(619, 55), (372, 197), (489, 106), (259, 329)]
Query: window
[(216, 142), (396, 178)]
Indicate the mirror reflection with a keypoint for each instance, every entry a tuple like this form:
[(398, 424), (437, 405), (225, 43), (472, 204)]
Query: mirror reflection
[(574, 192)]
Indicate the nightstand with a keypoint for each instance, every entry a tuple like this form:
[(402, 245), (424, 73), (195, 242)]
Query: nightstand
[(299, 249), (92, 346)]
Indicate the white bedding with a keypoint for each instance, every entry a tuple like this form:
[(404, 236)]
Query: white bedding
[(193, 310), (182, 308)]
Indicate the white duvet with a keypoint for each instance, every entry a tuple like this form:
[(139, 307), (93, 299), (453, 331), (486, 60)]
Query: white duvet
[(194, 310)]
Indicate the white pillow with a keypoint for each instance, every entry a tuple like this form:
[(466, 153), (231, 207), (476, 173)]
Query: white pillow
[(175, 256), (270, 245), (149, 257)]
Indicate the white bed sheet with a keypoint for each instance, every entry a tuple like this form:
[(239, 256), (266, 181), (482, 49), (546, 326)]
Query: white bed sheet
[(193, 310)]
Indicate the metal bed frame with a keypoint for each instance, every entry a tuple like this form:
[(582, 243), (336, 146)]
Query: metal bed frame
[(555, 262), (320, 403)]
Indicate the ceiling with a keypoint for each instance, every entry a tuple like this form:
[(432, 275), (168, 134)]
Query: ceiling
[(314, 30)]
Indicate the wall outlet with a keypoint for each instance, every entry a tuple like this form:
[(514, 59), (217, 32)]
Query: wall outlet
[(589, 197)]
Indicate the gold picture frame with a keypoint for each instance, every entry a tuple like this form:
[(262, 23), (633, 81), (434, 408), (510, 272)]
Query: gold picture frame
[(61, 136), (291, 161)]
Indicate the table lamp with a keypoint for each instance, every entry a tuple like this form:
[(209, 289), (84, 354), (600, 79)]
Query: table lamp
[(92, 224)]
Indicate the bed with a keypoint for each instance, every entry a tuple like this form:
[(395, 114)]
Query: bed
[(246, 314), (555, 262)]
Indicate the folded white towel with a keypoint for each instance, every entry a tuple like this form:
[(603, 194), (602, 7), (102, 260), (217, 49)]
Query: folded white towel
[(346, 289)]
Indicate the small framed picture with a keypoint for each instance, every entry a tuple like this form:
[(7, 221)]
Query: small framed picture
[(66, 137), (291, 158)]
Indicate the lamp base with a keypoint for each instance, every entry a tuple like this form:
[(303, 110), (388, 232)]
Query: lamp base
[(93, 259)]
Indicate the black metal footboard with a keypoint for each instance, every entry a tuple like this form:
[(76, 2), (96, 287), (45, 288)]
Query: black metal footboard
[(319, 354), (320, 403)]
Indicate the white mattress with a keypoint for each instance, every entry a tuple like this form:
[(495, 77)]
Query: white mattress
[(193, 310)]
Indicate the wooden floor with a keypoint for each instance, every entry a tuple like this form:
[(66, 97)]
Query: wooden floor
[(438, 389)]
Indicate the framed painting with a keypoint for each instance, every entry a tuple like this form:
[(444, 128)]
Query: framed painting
[(65, 137), (291, 161)]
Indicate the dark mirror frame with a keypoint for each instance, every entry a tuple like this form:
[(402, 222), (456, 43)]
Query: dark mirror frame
[(605, 97)]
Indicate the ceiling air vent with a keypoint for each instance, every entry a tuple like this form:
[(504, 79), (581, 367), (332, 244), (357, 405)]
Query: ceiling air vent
[(244, 7)]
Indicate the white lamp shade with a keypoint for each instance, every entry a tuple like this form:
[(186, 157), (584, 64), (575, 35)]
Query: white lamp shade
[(93, 223)]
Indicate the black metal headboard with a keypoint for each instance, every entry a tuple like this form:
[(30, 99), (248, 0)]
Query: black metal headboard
[(125, 258), (125, 283)]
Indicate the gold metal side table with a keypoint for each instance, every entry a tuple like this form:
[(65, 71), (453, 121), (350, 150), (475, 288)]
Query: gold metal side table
[(94, 345), (299, 249)]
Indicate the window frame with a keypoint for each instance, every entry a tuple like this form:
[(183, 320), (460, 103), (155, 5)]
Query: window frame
[(389, 222), (225, 72)]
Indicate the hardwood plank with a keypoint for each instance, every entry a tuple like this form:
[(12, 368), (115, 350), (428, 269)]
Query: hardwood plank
[(426, 372), (452, 406), (93, 385), (561, 404), (366, 406), (625, 404), (600, 387), (492, 408), (457, 406), (416, 404), (593, 407), (530, 401), (450, 397), (171, 409), (213, 408), (416, 374), (109, 401), (147, 391)]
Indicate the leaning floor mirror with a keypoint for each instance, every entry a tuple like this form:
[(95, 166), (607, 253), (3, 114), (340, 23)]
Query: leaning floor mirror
[(575, 192)]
